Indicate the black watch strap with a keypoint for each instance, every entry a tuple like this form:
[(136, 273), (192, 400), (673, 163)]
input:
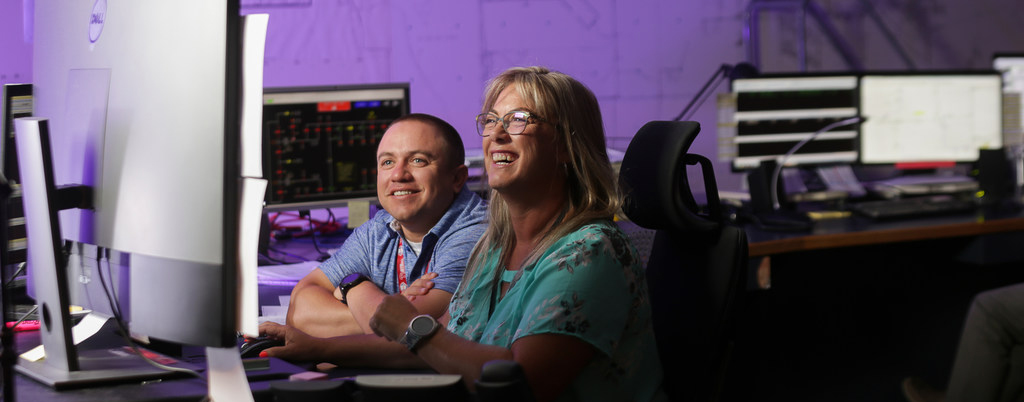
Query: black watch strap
[(350, 282)]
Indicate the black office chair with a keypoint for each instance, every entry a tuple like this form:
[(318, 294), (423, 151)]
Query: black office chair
[(696, 273)]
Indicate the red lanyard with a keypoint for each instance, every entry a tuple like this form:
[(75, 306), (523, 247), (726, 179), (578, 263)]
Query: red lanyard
[(400, 266)]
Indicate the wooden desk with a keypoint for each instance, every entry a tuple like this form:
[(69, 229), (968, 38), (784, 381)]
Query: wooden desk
[(854, 306), (858, 231)]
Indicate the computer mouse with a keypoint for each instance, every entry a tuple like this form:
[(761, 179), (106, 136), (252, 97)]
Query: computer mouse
[(253, 347)]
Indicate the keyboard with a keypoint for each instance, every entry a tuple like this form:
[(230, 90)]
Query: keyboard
[(913, 207)]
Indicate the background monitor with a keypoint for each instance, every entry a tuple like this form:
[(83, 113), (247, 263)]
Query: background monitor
[(929, 120), (320, 143), (17, 102), (142, 100), (774, 113), (1011, 66)]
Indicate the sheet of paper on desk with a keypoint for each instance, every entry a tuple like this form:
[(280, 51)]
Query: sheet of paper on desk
[(89, 326), (277, 313), (841, 178), (285, 274)]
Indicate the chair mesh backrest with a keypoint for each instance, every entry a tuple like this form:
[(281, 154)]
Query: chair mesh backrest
[(641, 237)]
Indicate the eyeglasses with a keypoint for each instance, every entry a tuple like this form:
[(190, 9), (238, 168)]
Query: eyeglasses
[(514, 122)]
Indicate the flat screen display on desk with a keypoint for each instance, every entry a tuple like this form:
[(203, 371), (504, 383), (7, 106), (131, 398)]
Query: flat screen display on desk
[(1012, 68), (929, 120), (17, 102), (320, 143), (139, 103), (774, 113)]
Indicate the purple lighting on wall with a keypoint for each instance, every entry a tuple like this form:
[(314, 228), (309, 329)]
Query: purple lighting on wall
[(28, 8)]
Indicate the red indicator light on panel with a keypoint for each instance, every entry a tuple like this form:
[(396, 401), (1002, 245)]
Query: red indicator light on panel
[(333, 106), (924, 165)]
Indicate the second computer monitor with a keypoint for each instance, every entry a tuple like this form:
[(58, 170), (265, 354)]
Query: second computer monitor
[(929, 120), (1011, 65), (320, 143), (775, 113)]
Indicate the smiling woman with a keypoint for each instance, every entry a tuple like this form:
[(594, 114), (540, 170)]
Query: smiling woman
[(553, 284)]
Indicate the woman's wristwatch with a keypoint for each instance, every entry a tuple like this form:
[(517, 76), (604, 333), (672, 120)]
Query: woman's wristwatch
[(420, 328)]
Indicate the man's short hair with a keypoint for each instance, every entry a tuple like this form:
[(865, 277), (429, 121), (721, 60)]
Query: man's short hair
[(455, 151)]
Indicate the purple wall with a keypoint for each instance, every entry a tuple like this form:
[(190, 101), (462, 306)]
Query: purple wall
[(644, 59), (15, 42)]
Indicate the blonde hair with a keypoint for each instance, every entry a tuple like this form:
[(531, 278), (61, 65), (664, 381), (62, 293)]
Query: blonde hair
[(591, 189)]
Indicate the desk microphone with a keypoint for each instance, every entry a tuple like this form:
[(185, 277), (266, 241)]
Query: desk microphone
[(782, 160)]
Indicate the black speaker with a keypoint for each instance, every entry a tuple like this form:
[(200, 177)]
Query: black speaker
[(994, 174), (759, 182)]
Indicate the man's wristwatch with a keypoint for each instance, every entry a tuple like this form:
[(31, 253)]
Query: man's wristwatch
[(350, 282), (420, 328)]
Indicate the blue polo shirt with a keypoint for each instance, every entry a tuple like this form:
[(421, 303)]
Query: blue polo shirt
[(372, 249)]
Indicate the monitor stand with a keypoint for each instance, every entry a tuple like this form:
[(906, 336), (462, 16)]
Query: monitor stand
[(103, 358), (67, 362)]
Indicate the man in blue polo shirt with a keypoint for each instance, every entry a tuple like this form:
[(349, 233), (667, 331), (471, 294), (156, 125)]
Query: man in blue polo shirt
[(429, 225)]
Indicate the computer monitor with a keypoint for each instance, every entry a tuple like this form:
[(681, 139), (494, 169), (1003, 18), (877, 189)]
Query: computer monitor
[(1011, 65), (775, 113), (320, 143), (141, 104), (17, 102), (929, 120)]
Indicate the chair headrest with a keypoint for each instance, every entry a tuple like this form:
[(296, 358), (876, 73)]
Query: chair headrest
[(653, 177)]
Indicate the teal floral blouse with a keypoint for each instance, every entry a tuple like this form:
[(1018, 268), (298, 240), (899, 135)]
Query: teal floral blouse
[(590, 285)]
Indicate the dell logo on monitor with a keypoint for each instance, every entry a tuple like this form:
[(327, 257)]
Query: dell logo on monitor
[(99, 14)]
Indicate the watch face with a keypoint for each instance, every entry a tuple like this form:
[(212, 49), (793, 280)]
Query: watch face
[(421, 325), (350, 277)]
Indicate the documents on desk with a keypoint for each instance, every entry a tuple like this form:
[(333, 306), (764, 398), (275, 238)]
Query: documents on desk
[(285, 274), (822, 184), (89, 326), (913, 185)]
